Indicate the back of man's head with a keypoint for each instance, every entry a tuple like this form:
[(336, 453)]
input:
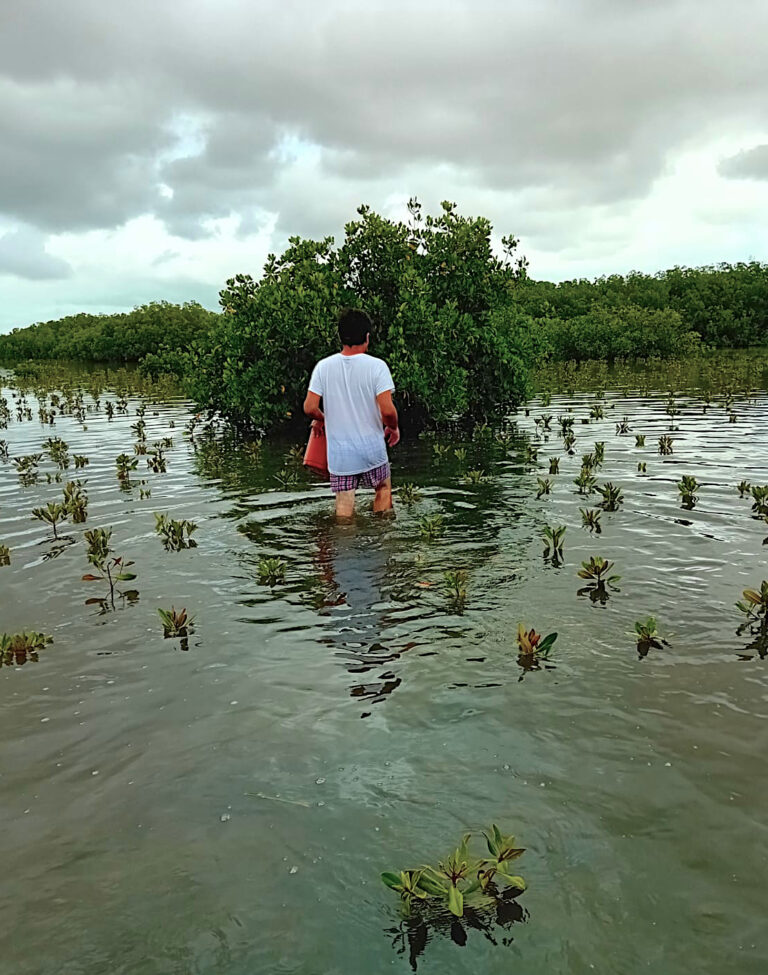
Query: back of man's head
[(354, 326)]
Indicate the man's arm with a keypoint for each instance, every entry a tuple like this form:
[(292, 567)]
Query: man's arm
[(312, 406), (389, 417)]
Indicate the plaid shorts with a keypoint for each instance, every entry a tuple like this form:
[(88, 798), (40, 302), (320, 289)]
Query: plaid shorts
[(350, 482)]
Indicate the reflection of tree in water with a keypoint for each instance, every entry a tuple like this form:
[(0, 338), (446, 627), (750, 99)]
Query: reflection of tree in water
[(415, 931), (354, 564)]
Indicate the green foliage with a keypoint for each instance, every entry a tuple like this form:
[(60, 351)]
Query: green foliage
[(597, 569), (743, 487), (52, 513), (611, 495), (442, 304), (271, 571), (646, 629), (110, 569), (5, 555), (639, 439), (409, 494), (462, 878), (75, 502), (431, 526), (759, 500), (590, 519), (18, 648), (176, 535), (688, 486), (456, 586), (554, 536), (665, 445), (124, 464), (755, 602), (531, 644), (176, 622), (125, 336)]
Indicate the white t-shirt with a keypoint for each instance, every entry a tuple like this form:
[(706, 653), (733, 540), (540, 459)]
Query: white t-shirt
[(349, 385)]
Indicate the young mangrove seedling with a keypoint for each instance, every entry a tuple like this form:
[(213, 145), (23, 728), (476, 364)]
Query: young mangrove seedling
[(287, 478), (597, 412), (156, 461), (755, 602), (110, 569), (568, 441), (5, 555), (456, 586), (566, 424), (588, 462), (17, 648), (622, 427), (440, 450), (530, 454), (460, 453), (642, 467), (4, 456), (554, 536), (52, 513), (530, 643), (271, 571), (75, 502), (639, 439), (590, 519), (176, 535), (743, 487), (599, 452), (431, 526), (475, 477), (461, 878), (409, 493), (545, 486), (665, 445), (612, 496), (176, 622), (760, 500), (80, 461), (648, 637), (144, 492), (596, 570), (124, 464), (688, 486), (554, 465), (585, 482), (140, 448)]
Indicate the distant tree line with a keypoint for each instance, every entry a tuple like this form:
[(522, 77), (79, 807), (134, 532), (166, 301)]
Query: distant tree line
[(460, 323), (121, 337)]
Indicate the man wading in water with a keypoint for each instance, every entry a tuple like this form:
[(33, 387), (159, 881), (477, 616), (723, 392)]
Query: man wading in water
[(359, 415)]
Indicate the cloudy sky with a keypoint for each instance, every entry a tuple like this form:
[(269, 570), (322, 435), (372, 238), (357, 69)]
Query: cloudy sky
[(151, 149)]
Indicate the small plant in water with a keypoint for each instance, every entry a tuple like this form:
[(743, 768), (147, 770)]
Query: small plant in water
[(597, 569), (51, 514), (475, 477), (568, 441), (460, 453), (622, 427), (125, 464), (531, 644), (456, 586), (80, 461), (590, 519), (554, 465), (5, 555), (665, 445), (75, 502), (755, 602), (111, 569), (455, 880), (597, 412), (271, 571), (156, 461), (688, 486), (431, 526), (554, 536), (759, 500), (648, 637), (585, 482), (287, 478), (409, 493), (743, 487), (176, 622), (642, 467), (612, 496), (545, 486), (599, 451), (176, 535), (18, 648), (639, 439)]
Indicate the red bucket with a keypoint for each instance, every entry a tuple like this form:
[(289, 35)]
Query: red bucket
[(316, 454)]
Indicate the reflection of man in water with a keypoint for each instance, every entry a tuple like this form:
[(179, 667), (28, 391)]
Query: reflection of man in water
[(359, 416), (355, 565)]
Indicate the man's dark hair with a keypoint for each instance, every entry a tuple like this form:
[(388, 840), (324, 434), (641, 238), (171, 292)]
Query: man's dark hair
[(354, 325)]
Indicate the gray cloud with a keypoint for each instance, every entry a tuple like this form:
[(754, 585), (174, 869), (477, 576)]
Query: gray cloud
[(23, 254), (583, 101), (748, 164)]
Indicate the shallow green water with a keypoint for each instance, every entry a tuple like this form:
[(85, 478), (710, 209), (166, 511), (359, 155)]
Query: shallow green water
[(227, 809)]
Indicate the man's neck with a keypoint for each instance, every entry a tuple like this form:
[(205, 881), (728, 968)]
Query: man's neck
[(354, 349)]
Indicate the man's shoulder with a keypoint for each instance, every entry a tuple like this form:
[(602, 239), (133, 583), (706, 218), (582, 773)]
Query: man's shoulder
[(376, 363), (326, 360)]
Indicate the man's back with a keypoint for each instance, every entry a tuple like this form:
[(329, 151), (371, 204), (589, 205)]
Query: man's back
[(349, 385)]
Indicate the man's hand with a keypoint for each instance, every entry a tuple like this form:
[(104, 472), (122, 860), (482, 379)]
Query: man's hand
[(392, 435), (317, 427)]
